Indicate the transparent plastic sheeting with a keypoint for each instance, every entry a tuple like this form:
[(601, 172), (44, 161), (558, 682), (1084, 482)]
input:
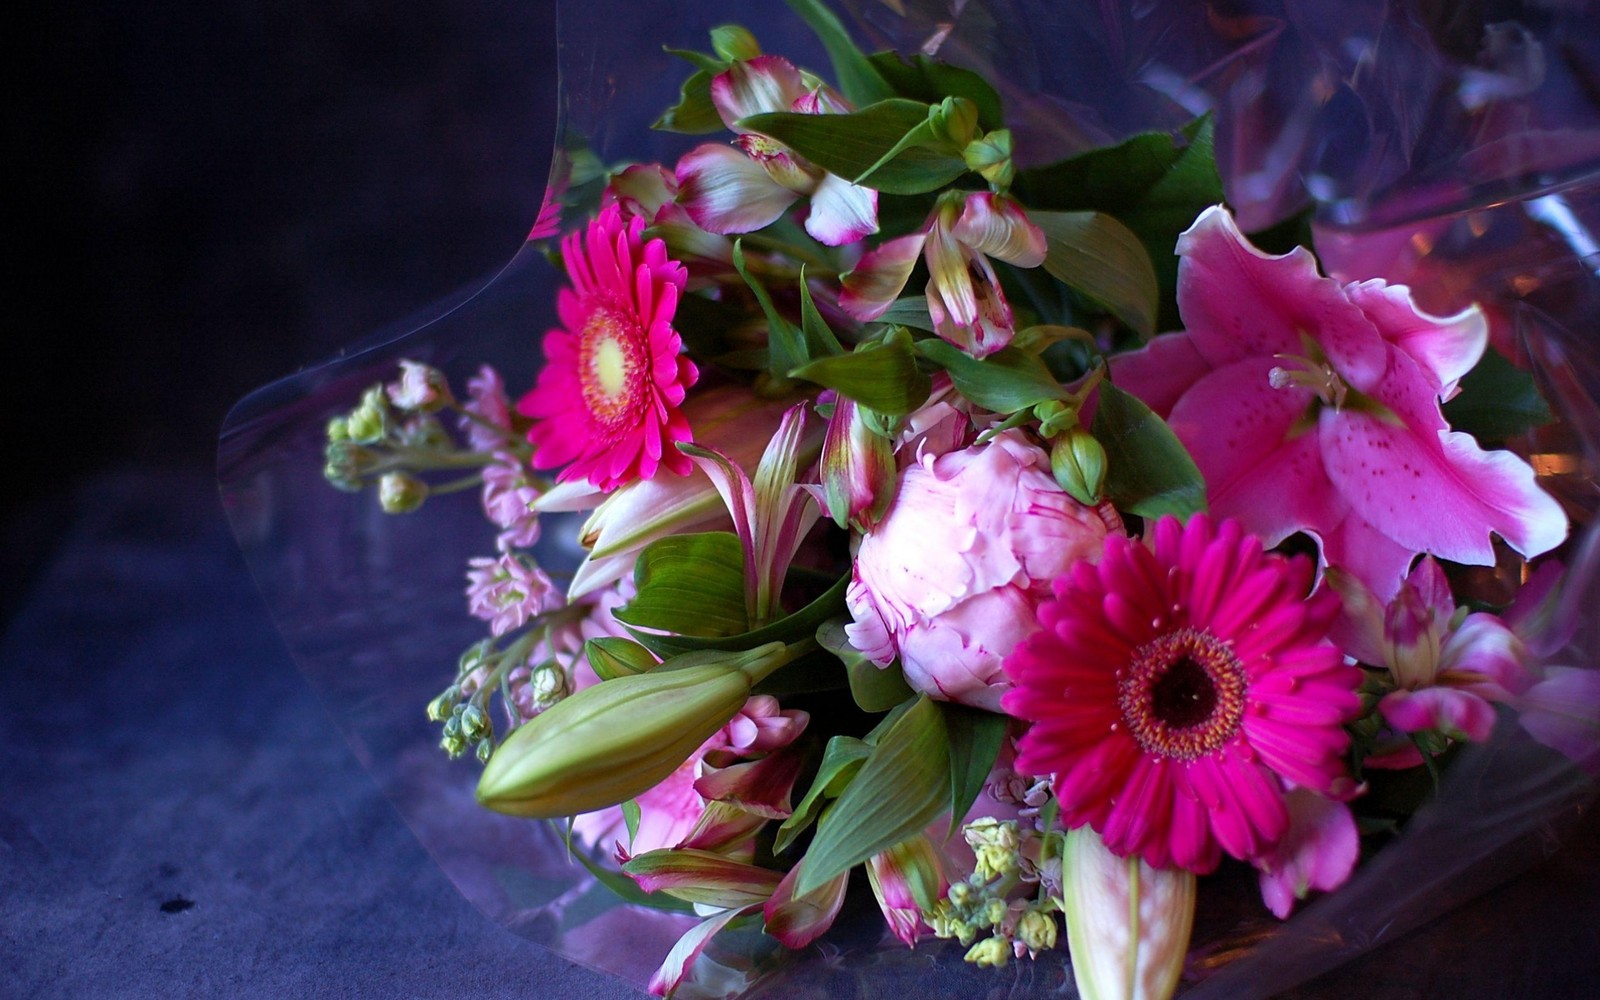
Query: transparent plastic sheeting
[(1440, 148)]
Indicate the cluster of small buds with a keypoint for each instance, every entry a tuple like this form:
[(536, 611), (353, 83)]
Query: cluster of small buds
[(979, 907), (1030, 795), (968, 909), (996, 846), (465, 725)]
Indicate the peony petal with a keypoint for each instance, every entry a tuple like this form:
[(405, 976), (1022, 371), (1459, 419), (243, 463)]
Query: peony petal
[(756, 87), (1444, 347), (841, 212), (997, 227), (1238, 302), (725, 191), (877, 280)]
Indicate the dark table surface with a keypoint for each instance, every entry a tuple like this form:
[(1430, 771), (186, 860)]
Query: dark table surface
[(242, 189)]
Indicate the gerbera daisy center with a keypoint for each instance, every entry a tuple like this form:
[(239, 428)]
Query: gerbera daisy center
[(610, 364), (1182, 694)]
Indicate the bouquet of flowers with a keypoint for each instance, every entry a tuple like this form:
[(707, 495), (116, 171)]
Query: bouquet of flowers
[(1026, 535)]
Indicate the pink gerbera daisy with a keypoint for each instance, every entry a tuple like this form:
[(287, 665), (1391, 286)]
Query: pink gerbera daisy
[(1177, 690), (607, 402)]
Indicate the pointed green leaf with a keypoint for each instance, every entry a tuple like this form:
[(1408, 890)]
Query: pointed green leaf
[(630, 818), (694, 114), (851, 144), (1148, 470), (700, 60), (627, 890), (612, 656), (903, 786), (858, 78), (975, 740), (840, 762), (882, 376), (1006, 381), (910, 311), (797, 627), (1103, 259), (786, 343), (929, 81), (689, 584), (820, 341), (1498, 400)]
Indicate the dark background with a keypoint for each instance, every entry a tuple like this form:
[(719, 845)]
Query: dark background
[(202, 198)]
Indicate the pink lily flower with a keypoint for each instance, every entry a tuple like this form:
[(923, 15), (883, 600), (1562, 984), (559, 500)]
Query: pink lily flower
[(1447, 666), (729, 190), (964, 298), (1311, 405)]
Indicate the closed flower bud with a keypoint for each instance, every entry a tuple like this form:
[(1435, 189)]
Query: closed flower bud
[(1078, 462), (1036, 931), (990, 158), (732, 42), (339, 429), (400, 493), (955, 120), (1127, 923), (608, 743), (858, 469), (993, 951), (369, 422)]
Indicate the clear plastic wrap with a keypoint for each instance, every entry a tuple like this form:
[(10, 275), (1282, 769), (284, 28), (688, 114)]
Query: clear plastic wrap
[(1453, 147)]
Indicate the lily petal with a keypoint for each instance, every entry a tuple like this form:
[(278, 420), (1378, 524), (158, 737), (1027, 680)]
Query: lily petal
[(724, 191), (1444, 347), (1160, 371)]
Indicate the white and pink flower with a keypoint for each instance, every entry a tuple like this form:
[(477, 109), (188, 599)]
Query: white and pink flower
[(506, 592)]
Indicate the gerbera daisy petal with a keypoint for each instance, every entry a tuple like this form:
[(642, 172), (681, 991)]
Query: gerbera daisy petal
[(1174, 690), (605, 405)]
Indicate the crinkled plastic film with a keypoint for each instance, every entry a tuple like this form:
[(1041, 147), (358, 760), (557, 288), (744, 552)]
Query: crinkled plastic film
[(1437, 147)]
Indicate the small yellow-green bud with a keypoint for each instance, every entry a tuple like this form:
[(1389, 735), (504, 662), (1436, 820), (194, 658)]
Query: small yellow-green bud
[(475, 724), (484, 751), (1037, 931), (954, 120), (990, 158), (369, 422), (401, 493), (1078, 462), (732, 43), (994, 911), (607, 743), (339, 429), (993, 951), (439, 709)]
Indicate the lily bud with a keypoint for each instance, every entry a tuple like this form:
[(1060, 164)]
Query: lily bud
[(731, 42), (1127, 923), (858, 470), (1078, 462), (608, 743), (990, 158), (399, 493)]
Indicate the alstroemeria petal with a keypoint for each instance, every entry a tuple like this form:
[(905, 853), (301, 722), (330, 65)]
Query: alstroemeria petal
[(1563, 712), (675, 967), (1319, 851), (760, 786), (796, 921), (1238, 428), (724, 191), (756, 87), (998, 227), (1451, 711), (841, 212), (701, 877), (1432, 489), (1239, 302), (879, 277), (1444, 347)]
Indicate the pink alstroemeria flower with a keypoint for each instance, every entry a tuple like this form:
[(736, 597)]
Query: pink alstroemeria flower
[(1311, 405), (1447, 666), (728, 190), (964, 297)]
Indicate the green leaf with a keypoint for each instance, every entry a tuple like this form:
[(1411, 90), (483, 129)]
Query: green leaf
[(924, 79), (628, 891), (630, 818), (874, 688), (852, 144), (903, 786), (694, 114), (820, 341), (910, 311), (840, 762), (792, 628), (612, 656), (699, 60), (882, 376), (1497, 401), (975, 740), (858, 78), (1006, 381), (1103, 259), (1155, 184), (692, 585), (1148, 470), (786, 343)]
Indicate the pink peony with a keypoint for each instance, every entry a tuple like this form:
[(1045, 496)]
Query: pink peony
[(607, 403), (1177, 690), (950, 578), (1313, 406)]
